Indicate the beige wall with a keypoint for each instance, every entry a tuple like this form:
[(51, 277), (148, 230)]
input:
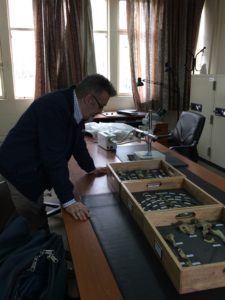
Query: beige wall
[(10, 111)]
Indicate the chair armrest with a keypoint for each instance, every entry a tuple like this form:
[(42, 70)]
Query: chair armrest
[(164, 135), (180, 147)]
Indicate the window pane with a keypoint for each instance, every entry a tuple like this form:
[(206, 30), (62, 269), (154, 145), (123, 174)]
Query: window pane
[(100, 40), (124, 65), (1, 92), (1, 80), (201, 58), (23, 63), (122, 15), (21, 13), (99, 14)]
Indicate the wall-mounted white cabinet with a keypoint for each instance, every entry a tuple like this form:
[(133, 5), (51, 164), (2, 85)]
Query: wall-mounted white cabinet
[(208, 98)]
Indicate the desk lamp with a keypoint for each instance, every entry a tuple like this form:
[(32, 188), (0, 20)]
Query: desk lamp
[(157, 115), (149, 154)]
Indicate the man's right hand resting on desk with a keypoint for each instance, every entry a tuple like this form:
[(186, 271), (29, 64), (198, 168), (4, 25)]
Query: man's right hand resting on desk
[(78, 210)]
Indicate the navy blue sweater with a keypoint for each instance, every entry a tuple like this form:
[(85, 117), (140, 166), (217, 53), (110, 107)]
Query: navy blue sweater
[(34, 156)]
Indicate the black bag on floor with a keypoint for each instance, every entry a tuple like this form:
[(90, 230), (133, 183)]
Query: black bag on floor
[(35, 270), (14, 235)]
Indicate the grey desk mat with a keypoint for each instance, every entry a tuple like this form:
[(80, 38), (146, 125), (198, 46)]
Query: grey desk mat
[(125, 153)]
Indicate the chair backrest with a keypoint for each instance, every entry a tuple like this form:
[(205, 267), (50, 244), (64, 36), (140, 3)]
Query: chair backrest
[(188, 128)]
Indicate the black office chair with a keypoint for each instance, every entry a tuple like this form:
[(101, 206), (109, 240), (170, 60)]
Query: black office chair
[(185, 136)]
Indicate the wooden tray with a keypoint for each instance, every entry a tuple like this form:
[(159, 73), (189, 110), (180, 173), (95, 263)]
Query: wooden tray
[(114, 180), (192, 278), (128, 190)]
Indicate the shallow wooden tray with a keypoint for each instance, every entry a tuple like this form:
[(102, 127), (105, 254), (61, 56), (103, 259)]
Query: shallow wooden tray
[(191, 278), (114, 180)]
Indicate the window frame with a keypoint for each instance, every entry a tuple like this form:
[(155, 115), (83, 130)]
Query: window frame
[(114, 38), (113, 33), (7, 75), (1, 75)]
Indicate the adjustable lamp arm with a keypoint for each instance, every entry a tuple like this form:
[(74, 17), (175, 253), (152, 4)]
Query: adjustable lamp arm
[(140, 82)]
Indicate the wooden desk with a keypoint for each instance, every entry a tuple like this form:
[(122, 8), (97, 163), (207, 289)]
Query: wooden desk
[(94, 277)]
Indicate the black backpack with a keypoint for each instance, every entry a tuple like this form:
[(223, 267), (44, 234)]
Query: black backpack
[(32, 266)]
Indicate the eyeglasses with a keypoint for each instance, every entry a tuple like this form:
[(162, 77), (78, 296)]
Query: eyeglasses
[(101, 106)]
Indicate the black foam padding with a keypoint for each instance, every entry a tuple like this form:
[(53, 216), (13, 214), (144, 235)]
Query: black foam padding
[(126, 153)]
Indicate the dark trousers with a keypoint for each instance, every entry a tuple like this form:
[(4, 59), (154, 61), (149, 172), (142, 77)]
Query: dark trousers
[(34, 212)]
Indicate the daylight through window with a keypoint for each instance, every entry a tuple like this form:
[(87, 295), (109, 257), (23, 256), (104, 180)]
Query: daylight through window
[(111, 42), (22, 47)]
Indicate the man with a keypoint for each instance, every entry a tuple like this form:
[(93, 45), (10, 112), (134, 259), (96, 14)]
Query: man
[(35, 153)]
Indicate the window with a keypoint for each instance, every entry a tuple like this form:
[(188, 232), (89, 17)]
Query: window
[(22, 47), (18, 49), (111, 42), (123, 62), (1, 77), (199, 53), (17, 63), (100, 26)]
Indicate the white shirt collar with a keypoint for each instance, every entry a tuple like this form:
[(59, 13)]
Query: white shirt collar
[(77, 113)]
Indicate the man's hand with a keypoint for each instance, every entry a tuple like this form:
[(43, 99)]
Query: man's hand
[(78, 210), (99, 171)]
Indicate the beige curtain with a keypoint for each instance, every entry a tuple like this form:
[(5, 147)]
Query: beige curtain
[(145, 35), (63, 56), (162, 32), (214, 36)]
